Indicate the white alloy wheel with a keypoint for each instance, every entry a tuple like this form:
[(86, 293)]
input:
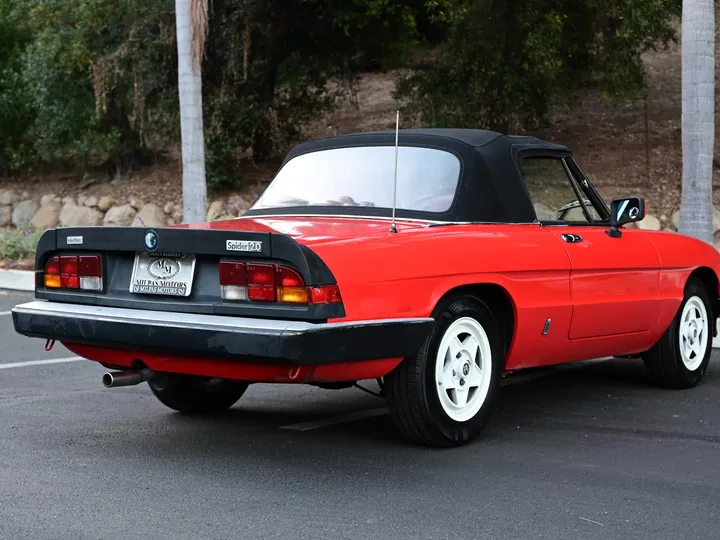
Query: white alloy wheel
[(463, 369), (694, 333)]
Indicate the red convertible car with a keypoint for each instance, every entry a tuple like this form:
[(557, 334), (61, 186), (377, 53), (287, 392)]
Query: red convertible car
[(436, 270)]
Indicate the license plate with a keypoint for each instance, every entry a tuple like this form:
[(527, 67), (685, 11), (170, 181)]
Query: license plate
[(169, 274)]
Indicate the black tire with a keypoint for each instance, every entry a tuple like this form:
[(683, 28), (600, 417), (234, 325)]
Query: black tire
[(664, 361), (189, 394), (411, 388)]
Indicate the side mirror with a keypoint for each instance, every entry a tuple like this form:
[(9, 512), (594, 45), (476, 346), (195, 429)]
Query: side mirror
[(624, 211)]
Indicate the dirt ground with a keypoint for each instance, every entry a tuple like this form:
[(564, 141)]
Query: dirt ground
[(609, 139)]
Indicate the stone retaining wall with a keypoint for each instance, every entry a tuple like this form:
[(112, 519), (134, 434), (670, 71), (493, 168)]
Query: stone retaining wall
[(49, 211)]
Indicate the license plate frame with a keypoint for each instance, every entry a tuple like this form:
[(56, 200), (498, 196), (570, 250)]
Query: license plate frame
[(149, 269)]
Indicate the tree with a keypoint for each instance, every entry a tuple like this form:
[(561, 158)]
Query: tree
[(698, 118), (191, 25), (505, 63)]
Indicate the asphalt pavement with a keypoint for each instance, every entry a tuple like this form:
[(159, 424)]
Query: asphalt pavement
[(587, 452)]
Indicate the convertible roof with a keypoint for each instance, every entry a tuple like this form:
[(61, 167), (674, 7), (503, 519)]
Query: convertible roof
[(490, 188), (477, 138)]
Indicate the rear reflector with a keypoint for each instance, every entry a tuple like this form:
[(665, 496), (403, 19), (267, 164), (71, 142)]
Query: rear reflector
[(270, 283), (328, 294), (74, 272)]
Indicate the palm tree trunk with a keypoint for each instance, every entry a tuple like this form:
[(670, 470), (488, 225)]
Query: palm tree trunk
[(194, 187), (698, 118)]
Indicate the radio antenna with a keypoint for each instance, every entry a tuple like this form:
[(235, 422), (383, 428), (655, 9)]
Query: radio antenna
[(393, 229)]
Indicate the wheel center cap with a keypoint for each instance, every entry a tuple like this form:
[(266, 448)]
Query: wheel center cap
[(466, 369)]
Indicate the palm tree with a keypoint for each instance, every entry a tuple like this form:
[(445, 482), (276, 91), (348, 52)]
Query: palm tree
[(191, 24), (698, 117)]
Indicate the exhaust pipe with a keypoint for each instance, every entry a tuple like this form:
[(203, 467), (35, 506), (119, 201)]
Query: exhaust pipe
[(127, 378)]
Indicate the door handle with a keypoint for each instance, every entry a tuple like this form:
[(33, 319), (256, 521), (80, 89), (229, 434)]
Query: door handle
[(572, 238)]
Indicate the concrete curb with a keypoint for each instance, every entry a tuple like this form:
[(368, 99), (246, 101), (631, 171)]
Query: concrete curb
[(17, 280), (24, 280)]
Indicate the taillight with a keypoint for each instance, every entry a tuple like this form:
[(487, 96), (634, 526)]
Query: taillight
[(290, 286), (74, 272), (328, 294), (259, 282), (233, 285)]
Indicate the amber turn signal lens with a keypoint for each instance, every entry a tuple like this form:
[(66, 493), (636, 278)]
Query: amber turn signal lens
[(52, 281), (295, 295)]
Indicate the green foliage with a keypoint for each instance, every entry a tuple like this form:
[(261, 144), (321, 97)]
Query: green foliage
[(15, 100), (507, 62), (95, 81), (95, 70), (18, 244), (268, 65)]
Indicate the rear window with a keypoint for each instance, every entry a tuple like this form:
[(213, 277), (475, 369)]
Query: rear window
[(363, 176)]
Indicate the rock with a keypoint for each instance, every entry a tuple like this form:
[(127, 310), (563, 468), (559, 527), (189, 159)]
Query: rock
[(68, 200), (169, 208), (178, 215), (216, 210), (649, 223), (81, 199), (105, 203), (121, 216), (716, 245), (136, 203), (544, 212), (91, 202), (8, 197), (238, 204), (47, 217), (5, 215), (150, 215), (47, 199), (716, 220), (668, 229), (675, 220), (73, 215), (24, 212)]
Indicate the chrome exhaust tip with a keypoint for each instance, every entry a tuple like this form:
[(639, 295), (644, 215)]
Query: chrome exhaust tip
[(126, 378)]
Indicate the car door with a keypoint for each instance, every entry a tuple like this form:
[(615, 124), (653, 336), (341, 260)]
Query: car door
[(613, 280)]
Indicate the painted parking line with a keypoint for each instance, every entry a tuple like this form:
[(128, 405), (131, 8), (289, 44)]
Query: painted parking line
[(352, 417), (5, 312), (42, 362)]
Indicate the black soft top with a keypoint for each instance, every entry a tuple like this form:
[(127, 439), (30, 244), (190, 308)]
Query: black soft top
[(490, 189)]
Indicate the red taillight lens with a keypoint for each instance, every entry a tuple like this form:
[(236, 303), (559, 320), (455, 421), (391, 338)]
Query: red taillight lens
[(232, 273), (53, 266), (328, 294), (69, 265), (90, 266), (69, 278), (74, 272), (261, 274), (287, 277), (261, 282), (70, 281)]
